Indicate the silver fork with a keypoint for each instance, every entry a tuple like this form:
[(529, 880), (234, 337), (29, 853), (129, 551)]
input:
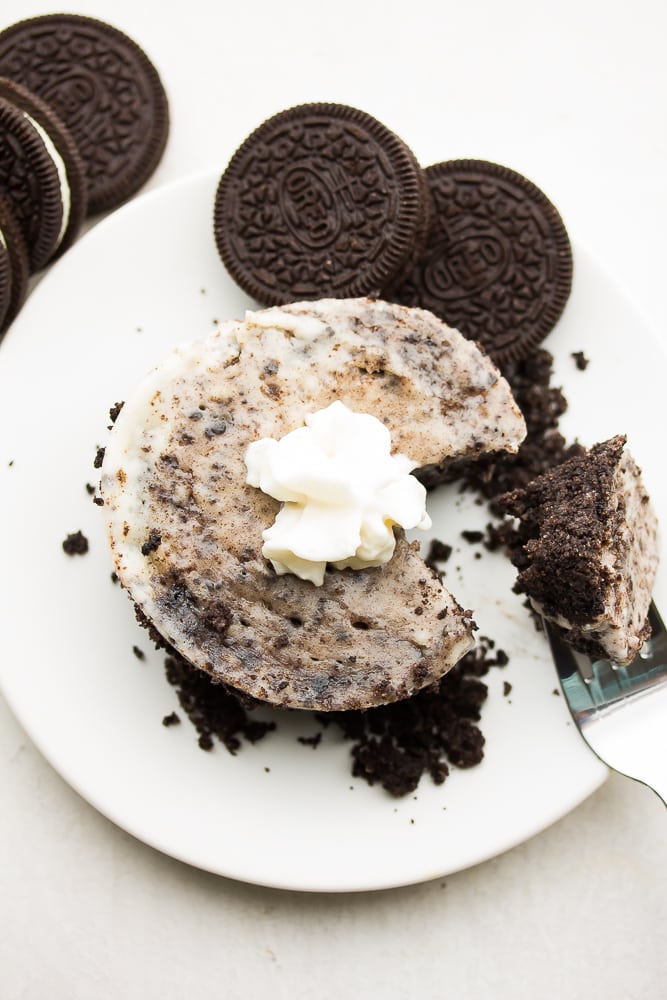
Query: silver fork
[(621, 712)]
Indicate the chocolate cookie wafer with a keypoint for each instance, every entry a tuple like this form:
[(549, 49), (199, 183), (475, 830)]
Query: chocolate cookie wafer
[(497, 263), (320, 200), (63, 151), (31, 175), (105, 89), (13, 266)]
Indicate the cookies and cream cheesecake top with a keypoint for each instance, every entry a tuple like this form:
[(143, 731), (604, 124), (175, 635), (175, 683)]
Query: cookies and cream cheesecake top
[(186, 528)]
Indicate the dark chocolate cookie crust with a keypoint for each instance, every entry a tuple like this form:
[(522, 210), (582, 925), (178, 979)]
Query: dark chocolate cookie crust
[(63, 141), (566, 520), (498, 261), (320, 200), (105, 89)]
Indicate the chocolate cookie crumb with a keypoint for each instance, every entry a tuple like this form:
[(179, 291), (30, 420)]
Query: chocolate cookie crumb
[(76, 544), (114, 411), (580, 360), (152, 543), (438, 551), (139, 653), (507, 687), (171, 720), (212, 708), (311, 741), (90, 489), (99, 458), (472, 537)]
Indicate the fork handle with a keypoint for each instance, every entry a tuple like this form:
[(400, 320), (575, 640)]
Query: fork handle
[(643, 758)]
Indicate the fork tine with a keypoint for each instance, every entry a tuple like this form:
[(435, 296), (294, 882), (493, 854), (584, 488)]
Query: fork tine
[(574, 686), (620, 711), (657, 624)]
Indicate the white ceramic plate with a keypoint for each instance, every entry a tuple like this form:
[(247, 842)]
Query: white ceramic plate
[(279, 813)]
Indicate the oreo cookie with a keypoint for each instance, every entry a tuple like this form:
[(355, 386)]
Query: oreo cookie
[(13, 266), (321, 200), (33, 180), (52, 219), (498, 261), (105, 89)]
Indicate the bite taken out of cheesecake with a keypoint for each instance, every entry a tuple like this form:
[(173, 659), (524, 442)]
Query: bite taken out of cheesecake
[(186, 525), (586, 550)]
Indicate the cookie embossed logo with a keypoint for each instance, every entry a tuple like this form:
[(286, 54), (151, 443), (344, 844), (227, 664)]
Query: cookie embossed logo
[(497, 264), (466, 266), (308, 206), (76, 96)]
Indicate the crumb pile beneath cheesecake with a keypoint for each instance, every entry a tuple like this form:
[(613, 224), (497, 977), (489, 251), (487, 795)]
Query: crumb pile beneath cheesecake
[(392, 745)]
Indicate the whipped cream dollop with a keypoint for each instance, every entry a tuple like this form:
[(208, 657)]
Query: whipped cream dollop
[(342, 493)]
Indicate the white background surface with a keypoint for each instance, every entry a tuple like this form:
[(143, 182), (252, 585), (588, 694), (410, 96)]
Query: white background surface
[(573, 95)]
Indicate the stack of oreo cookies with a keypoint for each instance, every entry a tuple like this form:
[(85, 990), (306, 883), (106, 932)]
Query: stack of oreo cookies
[(83, 123), (322, 200)]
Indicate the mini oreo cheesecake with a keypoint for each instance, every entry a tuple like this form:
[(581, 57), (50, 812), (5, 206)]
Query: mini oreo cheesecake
[(41, 174), (256, 486)]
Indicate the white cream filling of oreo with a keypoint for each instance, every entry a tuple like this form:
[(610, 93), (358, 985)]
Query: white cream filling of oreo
[(59, 163)]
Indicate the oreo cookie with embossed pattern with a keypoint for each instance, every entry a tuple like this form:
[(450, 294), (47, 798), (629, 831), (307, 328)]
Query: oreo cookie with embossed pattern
[(321, 200), (498, 261), (13, 266), (33, 180), (104, 88), (51, 214)]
